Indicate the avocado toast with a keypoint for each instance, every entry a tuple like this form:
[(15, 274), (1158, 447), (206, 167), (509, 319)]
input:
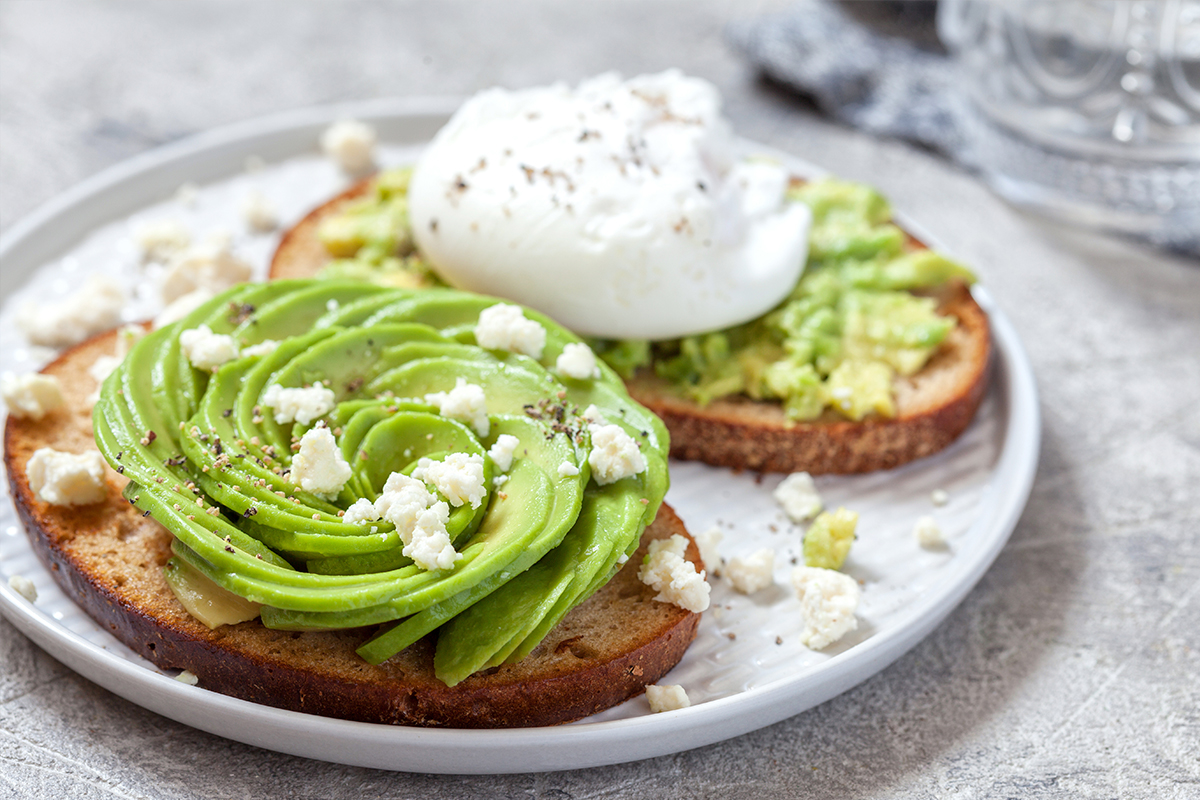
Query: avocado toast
[(351, 583)]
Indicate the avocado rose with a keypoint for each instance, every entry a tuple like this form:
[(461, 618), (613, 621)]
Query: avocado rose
[(340, 455)]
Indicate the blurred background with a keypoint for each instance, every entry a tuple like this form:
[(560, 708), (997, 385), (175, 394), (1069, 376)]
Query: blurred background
[(1070, 670)]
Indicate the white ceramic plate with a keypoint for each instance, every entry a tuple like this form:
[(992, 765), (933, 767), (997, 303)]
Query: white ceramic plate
[(746, 669)]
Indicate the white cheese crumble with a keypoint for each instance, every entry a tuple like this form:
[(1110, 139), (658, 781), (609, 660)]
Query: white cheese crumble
[(263, 348), (180, 308), (674, 577), (24, 587), (208, 265), (319, 466), (503, 450), (351, 144), (103, 366), (258, 213), (95, 307), (420, 520), (187, 677), (615, 455), (828, 599), (161, 239), (499, 481), (939, 497), (751, 573), (928, 533), (459, 477), (504, 327), (66, 479), (577, 361), (708, 542), (301, 405), (32, 395), (798, 496), (594, 415), (360, 511), (567, 470), (207, 350), (466, 402), (666, 698)]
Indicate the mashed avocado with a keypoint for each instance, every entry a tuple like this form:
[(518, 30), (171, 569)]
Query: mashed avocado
[(848, 328)]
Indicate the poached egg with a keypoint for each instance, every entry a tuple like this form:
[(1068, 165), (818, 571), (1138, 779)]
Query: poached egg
[(624, 209)]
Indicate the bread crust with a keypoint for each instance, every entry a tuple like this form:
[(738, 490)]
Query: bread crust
[(933, 407), (108, 558)]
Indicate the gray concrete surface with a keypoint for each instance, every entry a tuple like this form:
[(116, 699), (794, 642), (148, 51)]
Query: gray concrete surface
[(1070, 671)]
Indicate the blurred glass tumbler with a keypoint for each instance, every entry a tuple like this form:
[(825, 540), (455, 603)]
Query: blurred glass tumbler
[(1089, 111)]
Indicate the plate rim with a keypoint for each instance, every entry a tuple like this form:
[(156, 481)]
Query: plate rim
[(461, 751)]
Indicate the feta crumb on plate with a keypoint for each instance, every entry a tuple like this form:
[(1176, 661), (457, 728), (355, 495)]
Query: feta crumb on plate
[(828, 600), (210, 265), (351, 144), (939, 497), (187, 677), (928, 533), (95, 307), (708, 542), (24, 587), (258, 213), (161, 239), (798, 496), (666, 698), (751, 573)]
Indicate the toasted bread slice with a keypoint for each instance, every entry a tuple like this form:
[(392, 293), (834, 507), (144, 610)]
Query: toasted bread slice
[(933, 407), (109, 558)]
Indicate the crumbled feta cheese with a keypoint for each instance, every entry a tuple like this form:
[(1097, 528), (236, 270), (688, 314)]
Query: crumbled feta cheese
[(95, 307), (207, 350), (504, 327), (707, 542), (674, 577), (103, 366), (420, 520), (360, 511), (161, 239), (798, 496), (939, 497), (24, 587), (178, 309), (594, 415), (258, 213), (332, 305), (301, 405), (351, 144), (66, 479), (928, 533), (666, 698), (31, 396), (466, 402), (187, 677), (459, 477), (319, 466), (751, 573), (503, 450), (263, 348), (208, 265), (827, 602), (614, 455), (577, 361), (499, 481)]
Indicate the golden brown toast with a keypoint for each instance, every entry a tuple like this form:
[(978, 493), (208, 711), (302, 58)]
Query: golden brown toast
[(108, 558), (933, 406)]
